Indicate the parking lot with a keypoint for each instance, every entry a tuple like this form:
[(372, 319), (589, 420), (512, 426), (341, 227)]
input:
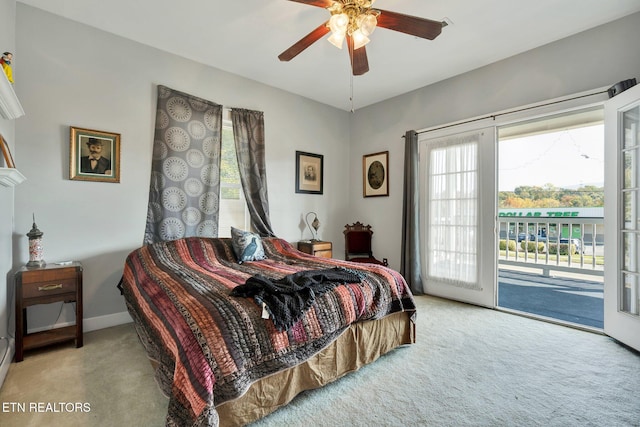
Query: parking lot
[(575, 300)]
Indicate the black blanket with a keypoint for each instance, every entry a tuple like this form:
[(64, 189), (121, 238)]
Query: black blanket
[(288, 298)]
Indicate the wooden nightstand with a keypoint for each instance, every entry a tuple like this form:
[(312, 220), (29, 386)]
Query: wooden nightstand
[(316, 247), (45, 285)]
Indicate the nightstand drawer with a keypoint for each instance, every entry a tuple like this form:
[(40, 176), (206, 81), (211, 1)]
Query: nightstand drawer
[(316, 247), (321, 246), (323, 254), (49, 275), (53, 287)]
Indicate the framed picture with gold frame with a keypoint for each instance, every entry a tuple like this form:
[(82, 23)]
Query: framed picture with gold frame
[(375, 174), (94, 155), (6, 153)]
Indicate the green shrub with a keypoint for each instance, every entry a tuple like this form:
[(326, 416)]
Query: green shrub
[(531, 246), (503, 245), (564, 249)]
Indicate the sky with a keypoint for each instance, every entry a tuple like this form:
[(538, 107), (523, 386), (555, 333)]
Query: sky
[(566, 159)]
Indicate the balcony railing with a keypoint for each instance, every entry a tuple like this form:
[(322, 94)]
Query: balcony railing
[(567, 244)]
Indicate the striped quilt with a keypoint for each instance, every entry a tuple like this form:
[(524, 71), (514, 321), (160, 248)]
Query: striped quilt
[(212, 346)]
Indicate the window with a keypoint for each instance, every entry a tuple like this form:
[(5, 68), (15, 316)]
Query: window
[(453, 210), (233, 208), (630, 196), (458, 197)]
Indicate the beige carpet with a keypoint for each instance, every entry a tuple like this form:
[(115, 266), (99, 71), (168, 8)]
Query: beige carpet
[(470, 367)]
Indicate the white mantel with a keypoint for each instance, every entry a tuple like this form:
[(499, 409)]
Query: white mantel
[(10, 177), (10, 107)]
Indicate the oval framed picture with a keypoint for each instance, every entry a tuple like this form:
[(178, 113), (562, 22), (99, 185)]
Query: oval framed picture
[(375, 174)]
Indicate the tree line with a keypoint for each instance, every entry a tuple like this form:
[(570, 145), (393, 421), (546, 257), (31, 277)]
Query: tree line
[(550, 196)]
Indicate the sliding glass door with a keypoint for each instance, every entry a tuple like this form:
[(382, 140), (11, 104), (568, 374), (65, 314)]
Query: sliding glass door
[(458, 216)]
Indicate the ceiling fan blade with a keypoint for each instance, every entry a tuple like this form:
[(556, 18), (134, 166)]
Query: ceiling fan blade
[(319, 3), (358, 57), (419, 27), (304, 43)]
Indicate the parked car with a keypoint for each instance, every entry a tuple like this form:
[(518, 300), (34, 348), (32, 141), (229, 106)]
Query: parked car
[(532, 237), (575, 242)]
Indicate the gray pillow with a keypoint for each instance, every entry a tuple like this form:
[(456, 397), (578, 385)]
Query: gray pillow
[(247, 246)]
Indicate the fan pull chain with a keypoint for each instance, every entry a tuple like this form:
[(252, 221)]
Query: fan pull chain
[(351, 55), (351, 91)]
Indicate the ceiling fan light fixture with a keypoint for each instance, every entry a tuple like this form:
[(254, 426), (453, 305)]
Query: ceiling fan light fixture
[(338, 23), (354, 18), (359, 39), (337, 39), (367, 23)]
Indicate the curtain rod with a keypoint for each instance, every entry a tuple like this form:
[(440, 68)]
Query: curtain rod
[(516, 110)]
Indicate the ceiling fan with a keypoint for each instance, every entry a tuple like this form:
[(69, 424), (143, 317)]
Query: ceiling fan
[(355, 20)]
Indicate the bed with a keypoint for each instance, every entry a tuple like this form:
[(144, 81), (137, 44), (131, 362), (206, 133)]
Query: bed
[(222, 358)]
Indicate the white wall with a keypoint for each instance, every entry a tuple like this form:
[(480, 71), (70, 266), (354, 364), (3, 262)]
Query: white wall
[(74, 75), (595, 58)]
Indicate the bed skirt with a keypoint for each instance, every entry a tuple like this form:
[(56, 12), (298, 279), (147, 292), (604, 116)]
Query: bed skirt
[(360, 344)]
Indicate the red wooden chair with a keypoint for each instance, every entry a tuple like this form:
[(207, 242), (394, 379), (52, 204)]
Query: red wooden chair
[(357, 244)]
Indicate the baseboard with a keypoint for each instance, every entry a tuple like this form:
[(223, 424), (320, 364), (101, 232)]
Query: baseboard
[(101, 322), (93, 323), (6, 357)]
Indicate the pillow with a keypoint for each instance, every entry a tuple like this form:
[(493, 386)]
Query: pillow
[(247, 246)]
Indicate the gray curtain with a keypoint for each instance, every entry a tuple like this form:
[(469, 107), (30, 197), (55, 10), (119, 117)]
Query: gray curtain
[(411, 262), (185, 170), (248, 131)]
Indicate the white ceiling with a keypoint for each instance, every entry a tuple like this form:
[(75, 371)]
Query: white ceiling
[(245, 37)]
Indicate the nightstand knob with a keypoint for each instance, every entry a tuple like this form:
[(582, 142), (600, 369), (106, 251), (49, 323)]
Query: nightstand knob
[(50, 287)]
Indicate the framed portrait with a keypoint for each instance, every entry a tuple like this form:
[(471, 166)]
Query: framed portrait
[(375, 174), (94, 155), (309, 173), (6, 153)]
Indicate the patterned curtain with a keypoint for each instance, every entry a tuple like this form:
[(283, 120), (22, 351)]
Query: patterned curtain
[(248, 131), (185, 171)]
